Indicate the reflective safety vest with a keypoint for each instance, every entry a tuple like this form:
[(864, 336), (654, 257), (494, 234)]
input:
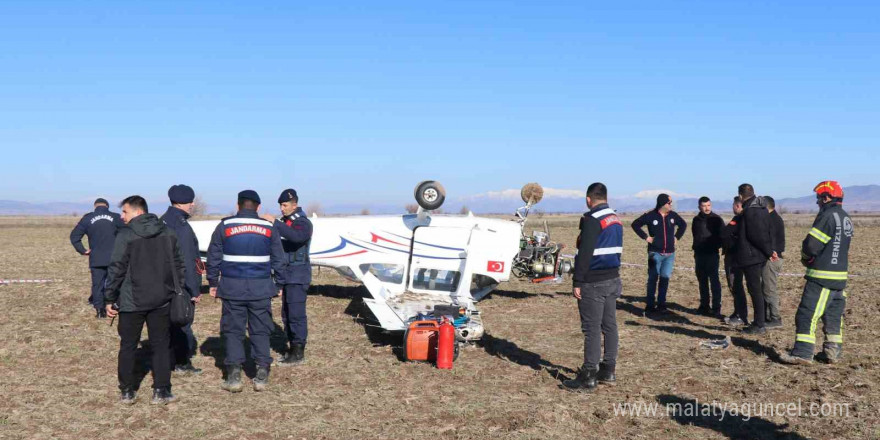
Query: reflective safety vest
[(247, 246), (609, 244), (825, 250)]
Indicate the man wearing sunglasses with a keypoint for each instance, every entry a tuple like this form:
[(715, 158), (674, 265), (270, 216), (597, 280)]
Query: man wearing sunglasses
[(665, 228)]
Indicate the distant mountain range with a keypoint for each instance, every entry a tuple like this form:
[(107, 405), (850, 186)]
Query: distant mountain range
[(864, 198)]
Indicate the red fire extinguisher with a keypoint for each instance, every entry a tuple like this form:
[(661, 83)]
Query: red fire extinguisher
[(445, 345)]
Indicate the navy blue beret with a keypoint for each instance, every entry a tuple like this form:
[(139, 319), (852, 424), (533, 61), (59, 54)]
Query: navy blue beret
[(288, 195), (250, 195), (181, 194)]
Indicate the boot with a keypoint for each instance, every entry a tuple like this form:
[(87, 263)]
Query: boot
[(186, 369), (606, 374), (233, 379), (832, 352), (261, 380), (295, 356), (585, 381), (788, 358), (128, 397), (162, 396), (754, 330)]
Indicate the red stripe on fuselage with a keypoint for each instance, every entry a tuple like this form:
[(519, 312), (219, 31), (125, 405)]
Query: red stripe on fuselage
[(376, 239), (346, 255)]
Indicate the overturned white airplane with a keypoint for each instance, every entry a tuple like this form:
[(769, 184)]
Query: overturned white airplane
[(414, 263)]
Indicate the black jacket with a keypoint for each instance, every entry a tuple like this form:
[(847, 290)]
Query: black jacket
[(175, 219), (296, 238), (777, 227), (729, 237), (663, 230), (754, 244), (100, 226), (706, 230), (139, 277)]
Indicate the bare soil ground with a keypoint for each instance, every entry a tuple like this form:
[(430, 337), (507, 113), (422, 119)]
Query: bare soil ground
[(58, 363)]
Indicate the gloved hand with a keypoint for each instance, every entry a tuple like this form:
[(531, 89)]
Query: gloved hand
[(807, 260)]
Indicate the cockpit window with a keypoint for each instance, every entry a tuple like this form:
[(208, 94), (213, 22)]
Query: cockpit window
[(436, 279), (386, 273)]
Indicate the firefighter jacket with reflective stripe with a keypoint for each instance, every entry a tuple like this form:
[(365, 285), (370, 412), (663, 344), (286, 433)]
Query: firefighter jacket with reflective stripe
[(296, 238), (825, 251), (244, 252), (600, 245)]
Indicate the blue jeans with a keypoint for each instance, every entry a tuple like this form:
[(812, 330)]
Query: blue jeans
[(659, 272)]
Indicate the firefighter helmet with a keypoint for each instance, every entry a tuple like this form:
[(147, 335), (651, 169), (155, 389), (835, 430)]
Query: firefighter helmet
[(830, 188)]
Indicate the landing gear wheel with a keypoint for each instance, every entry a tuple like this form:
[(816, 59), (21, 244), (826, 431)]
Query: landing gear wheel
[(430, 195)]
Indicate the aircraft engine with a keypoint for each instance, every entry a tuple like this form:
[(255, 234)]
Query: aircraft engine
[(539, 259)]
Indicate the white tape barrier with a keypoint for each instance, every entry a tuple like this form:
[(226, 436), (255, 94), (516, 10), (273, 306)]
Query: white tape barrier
[(2, 282), (783, 274)]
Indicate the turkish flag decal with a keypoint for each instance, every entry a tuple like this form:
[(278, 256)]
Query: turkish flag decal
[(495, 266)]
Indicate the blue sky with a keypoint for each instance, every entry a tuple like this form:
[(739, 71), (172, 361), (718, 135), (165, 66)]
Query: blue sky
[(355, 102)]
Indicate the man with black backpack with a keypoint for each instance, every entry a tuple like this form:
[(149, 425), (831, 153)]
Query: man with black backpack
[(140, 285)]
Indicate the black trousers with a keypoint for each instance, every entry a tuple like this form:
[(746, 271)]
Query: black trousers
[(598, 307), (706, 267), (99, 277), (753, 275), (293, 313), (130, 326), (734, 277), (183, 344)]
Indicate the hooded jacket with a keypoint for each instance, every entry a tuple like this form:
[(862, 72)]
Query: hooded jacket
[(139, 277), (754, 244)]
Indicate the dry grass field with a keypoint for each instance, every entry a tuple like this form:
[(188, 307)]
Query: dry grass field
[(58, 363)]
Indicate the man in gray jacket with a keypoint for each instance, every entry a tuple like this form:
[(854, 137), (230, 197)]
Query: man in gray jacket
[(140, 283)]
